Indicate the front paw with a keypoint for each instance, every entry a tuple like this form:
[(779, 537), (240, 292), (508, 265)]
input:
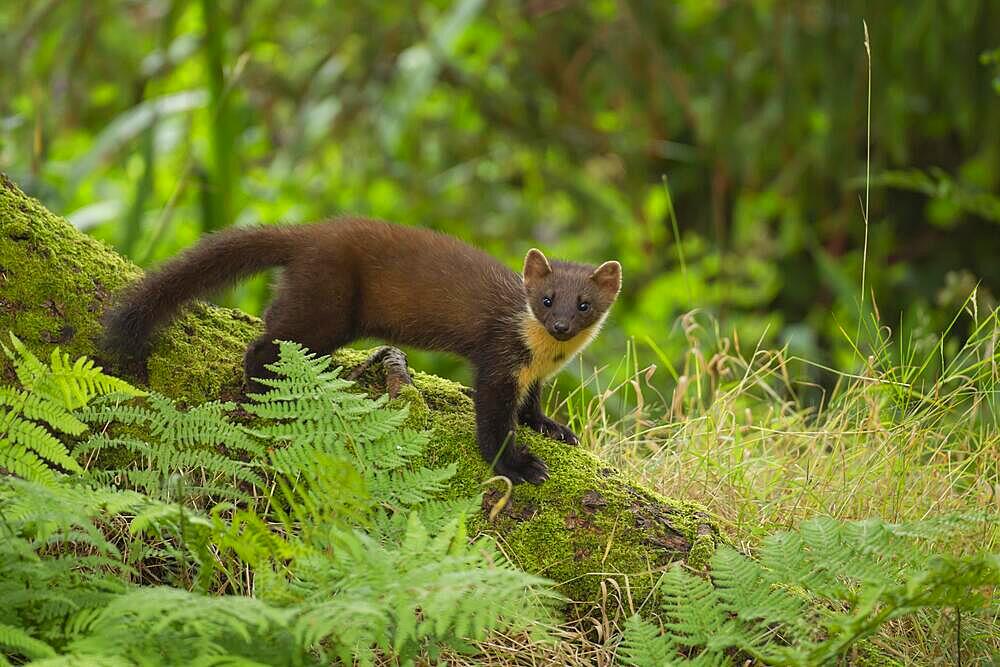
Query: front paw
[(553, 429), (520, 465)]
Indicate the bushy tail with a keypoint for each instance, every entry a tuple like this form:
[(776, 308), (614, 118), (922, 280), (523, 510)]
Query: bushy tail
[(217, 261)]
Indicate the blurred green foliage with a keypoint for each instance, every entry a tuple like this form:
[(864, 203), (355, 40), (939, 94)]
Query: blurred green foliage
[(577, 126)]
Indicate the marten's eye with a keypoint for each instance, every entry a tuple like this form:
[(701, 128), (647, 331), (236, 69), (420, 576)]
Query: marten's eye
[(583, 307), (547, 301)]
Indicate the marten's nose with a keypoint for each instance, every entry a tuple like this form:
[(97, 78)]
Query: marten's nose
[(560, 327)]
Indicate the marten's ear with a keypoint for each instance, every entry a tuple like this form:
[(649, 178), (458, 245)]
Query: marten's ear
[(608, 277), (536, 266)]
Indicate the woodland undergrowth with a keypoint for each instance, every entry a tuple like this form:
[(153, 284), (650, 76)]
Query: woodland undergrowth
[(297, 528)]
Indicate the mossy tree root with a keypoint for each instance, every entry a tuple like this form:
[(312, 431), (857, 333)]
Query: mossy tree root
[(586, 525)]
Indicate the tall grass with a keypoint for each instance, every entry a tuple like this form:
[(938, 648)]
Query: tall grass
[(909, 435)]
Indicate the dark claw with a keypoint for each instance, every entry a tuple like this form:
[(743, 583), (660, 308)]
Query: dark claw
[(555, 430), (393, 362), (522, 466)]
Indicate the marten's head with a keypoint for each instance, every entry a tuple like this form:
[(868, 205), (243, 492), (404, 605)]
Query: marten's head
[(569, 298)]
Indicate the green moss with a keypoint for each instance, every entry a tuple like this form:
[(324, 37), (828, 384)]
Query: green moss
[(53, 297), (587, 523), (347, 358), (441, 394), (701, 551), (418, 414), (199, 356)]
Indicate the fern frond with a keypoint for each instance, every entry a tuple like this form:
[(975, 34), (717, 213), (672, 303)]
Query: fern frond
[(70, 384), (338, 530), (405, 488), (643, 645), (104, 411), (24, 644), (42, 443), (857, 553), (100, 442), (815, 592), (28, 368), (430, 588), (155, 516), (79, 381), (294, 458), (24, 463), (204, 425), (148, 482), (180, 627), (693, 614), (250, 537), (183, 441), (35, 407), (328, 492), (55, 559), (751, 593), (390, 451), (50, 392)]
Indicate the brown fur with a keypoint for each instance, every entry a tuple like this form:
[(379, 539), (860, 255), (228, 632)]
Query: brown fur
[(355, 278)]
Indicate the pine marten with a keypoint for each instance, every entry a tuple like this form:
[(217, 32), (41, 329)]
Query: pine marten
[(351, 278)]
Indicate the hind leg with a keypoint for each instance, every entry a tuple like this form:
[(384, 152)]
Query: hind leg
[(261, 352), (318, 323), (264, 351)]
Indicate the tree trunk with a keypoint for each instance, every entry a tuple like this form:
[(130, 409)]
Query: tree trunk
[(586, 524)]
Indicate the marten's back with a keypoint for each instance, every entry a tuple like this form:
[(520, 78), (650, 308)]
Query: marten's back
[(344, 279), (410, 286)]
